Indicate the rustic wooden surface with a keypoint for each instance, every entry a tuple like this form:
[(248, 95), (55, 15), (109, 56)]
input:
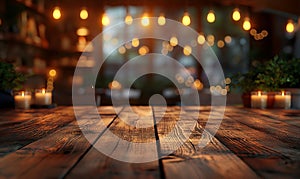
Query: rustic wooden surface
[(250, 143)]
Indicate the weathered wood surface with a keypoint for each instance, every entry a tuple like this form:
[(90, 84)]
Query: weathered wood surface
[(51, 143)]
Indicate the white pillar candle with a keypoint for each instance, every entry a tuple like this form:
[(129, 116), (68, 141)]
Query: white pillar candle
[(22, 100), (259, 100), (283, 100), (43, 97)]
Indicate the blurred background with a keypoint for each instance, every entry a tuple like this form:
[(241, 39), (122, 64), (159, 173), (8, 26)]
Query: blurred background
[(44, 40)]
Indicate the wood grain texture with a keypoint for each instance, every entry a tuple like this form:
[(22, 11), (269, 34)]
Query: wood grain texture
[(126, 128), (25, 126), (270, 147), (190, 160), (57, 152), (51, 143)]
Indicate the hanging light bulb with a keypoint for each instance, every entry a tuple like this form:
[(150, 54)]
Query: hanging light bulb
[(211, 16), (161, 20), (128, 19), (290, 26), (246, 24), (236, 15), (56, 13), (186, 20), (105, 20), (145, 20), (84, 13)]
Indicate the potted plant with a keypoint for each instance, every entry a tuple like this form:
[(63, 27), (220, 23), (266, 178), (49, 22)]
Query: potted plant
[(293, 84), (270, 76), (10, 80)]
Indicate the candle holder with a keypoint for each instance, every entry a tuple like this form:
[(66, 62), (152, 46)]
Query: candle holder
[(22, 99), (43, 99), (282, 100), (259, 99)]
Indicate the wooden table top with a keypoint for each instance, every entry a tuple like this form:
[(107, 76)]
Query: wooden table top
[(250, 143)]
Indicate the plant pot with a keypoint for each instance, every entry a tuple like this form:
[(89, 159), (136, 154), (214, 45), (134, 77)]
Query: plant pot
[(295, 93), (246, 98), (6, 99), (271, 99)]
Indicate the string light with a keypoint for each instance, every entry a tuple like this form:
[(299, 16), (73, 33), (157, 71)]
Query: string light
[(187, 50), (56, 13), (290, 26), (173, 41), (145, 20), (105, 20), (135, 42), (82, 31), (201, 39), (186, 20), (84, 14), (236, 15), (161, 20), (246, 24), (211, 16), (128, 19)]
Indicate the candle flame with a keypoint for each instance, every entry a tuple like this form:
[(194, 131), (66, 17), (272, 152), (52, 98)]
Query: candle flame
[(282, 93), (259, 93), (23, 94), (43, 91)]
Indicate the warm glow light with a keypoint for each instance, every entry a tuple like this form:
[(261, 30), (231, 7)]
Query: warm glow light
[(105, 20), (56, 13), (161, 20), (247, 24), (82, 31), (220, 44), (198, 85), (128, 19), (282, 93), (23, 93), (290, 26), (43, 91), (115, 85), (210, 38), (186, 20), (84, 14), (173, 41), (145, 20), (143, 50), (201, 39), (236, 15), (211, 17), (122, 50), (52, 73), (253, 32), (264, 33), (187, 50), (135, 42), (228, 39), (259, 93)]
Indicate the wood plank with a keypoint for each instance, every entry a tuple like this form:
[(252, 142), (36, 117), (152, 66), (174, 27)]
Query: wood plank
[(260, 144), (191, 161), (288, 116), (95, 163), (54, 155), (30, 125)]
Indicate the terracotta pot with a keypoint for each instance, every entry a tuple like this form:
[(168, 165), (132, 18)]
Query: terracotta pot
[(246, 98), (271, 99)]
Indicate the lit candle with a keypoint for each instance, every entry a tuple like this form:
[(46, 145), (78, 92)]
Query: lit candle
[(22, 100), (283, 100), (258, 100), (43, 97)]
